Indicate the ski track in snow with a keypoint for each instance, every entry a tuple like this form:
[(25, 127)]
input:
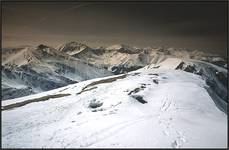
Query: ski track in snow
[(167, 123), (109, 131)]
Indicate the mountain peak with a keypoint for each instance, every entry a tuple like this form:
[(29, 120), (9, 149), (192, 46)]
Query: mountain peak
[(73, 44), (118, 46), (72, 48), (42, 46), (122, 48)]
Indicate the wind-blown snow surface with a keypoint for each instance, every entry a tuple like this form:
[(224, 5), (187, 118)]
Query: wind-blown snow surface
[(146, 108)]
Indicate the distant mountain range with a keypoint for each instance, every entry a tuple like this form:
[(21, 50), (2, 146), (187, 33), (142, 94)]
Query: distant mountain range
[(28, 70)]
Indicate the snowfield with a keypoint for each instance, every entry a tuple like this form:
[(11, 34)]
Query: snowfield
[(154, 108)]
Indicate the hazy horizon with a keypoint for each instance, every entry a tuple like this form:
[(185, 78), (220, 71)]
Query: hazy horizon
[(192, 25)]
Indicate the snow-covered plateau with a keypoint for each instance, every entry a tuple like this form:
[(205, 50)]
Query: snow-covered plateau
[(163, 105)]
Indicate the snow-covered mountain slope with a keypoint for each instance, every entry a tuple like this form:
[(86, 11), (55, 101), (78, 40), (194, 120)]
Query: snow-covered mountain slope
[(154, 107), (121, 58), (31, 70), (72, 48), (35, 69), (117, 58), (169, 63), (214, 76)]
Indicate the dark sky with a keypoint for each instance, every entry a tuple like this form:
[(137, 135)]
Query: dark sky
[(195, 25)]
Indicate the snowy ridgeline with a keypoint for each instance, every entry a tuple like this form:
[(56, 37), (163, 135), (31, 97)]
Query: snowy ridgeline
[(29, 70), (157, 107)]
